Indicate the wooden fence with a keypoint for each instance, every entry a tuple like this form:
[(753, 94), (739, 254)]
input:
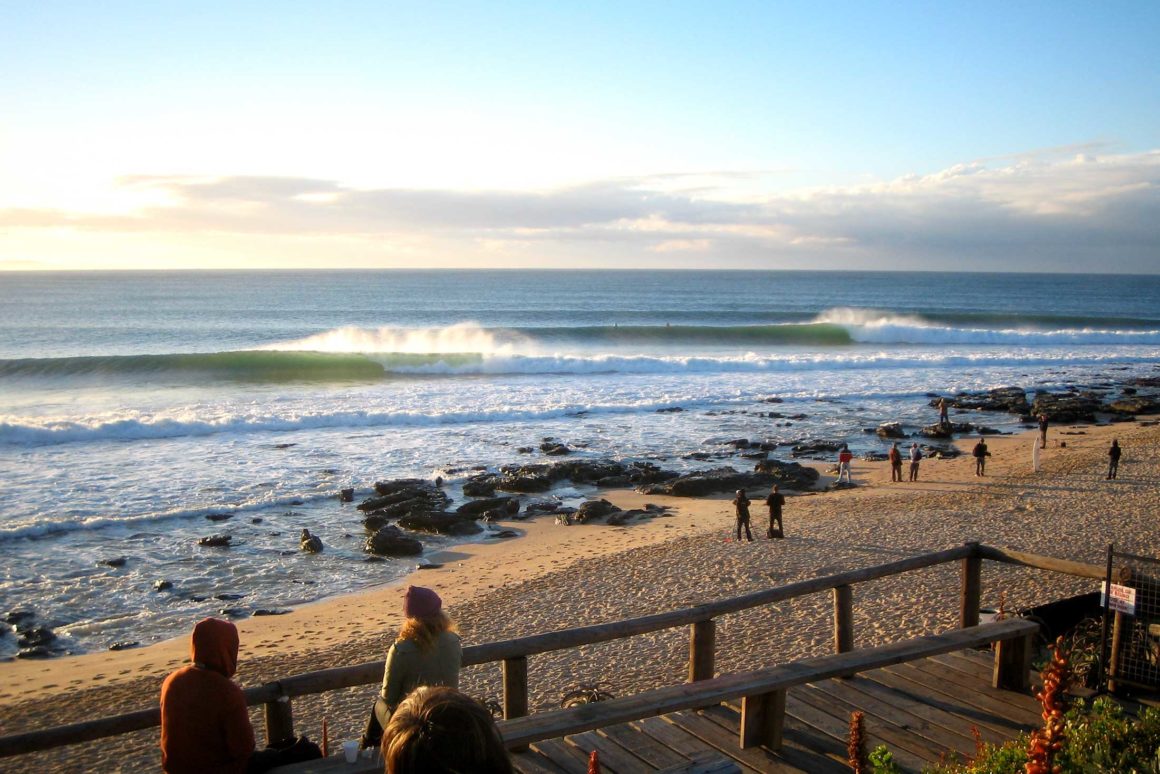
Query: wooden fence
[(277, 696)]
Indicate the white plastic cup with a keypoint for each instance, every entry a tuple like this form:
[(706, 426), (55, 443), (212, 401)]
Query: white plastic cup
[(350, 750)]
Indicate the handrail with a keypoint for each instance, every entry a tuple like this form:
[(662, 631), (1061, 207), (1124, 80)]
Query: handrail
[(509, 651)]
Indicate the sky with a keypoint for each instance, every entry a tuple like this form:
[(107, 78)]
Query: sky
[(983, 136)]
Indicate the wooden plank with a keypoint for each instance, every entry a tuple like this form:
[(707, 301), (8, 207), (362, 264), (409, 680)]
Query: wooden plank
[(887, 711), (1064, 566), (971, 588), (564, 755), (762, 717), (793, 752), (613, 757), (670, 736), (996, 709), (878, 729), (907, 702), (1022, 705), (978, 664), (643, 746), (714, 736), (532, 762), (707, 762), (919, 690), (833, 722)]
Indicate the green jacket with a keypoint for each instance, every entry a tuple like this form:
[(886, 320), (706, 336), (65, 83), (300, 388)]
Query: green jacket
[(408, 667)]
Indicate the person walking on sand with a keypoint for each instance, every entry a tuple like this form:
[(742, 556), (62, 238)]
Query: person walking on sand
[(845, 457), (741, 501), (1042, 431), (775, 501), (915, 458), (895, 457), (943, 415), (981, 454), (1114, 459)]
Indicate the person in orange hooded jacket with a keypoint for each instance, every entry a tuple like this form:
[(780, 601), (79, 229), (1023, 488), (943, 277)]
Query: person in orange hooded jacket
[(205, 726)]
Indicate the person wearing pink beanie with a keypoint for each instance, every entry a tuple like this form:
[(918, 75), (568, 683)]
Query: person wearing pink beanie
[(426, 652)]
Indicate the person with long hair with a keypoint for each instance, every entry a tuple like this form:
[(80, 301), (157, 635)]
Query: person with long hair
[(438, 730), (426, 652)]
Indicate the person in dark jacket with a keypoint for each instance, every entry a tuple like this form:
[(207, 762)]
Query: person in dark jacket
[(741, 501), (895, 457), (1042, 431), (1114, 459), (980, 454), (775, 501), (205, 726)]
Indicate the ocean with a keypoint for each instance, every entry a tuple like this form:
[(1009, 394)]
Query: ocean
[(133, 405)]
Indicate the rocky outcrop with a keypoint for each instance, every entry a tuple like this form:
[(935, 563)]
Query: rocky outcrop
[(594, 509), (390, 541), (1012, 400), (481, 485), (1133, 405), (216, 541), (890, 430), (815, 449), (946, 429), (792, 475), (554, 449), (441, 523), (476, 508), (726, 479), (309, 543), (405, 496), (1067, 406)]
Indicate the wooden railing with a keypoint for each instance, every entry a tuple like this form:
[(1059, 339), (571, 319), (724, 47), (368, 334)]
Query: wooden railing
[(277, 696)]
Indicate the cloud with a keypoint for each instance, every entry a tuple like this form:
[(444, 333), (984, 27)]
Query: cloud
[(1035, 211)]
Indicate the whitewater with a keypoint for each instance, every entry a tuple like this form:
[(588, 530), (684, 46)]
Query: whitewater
[(133, 406)]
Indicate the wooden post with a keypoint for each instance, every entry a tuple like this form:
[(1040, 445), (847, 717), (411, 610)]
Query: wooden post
[(843, 619), (1013, 663), (279, 720), (762, 720), (702, 650), (515, 687), (1114, 656), (972, 592)]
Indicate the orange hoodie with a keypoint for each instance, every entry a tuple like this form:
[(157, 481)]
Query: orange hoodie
[(205, 726)]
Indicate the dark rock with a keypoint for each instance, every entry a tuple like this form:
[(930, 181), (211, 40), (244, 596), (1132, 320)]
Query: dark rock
[(374, 522), (890, 430), (219, 516), (1134, 405), (738, 443), (234, 612), (815, 449), (1067, 407), (225, 597), (118, 562), (614, 482), (270, 611), (525, 449), (19, 618), (257, 520), (504, 534), (530, 478), (373, 559), (791, 475), (553, 449), (586, 471), (309, 543), (941, 430), (475, 508), (839, 485), (344, 496), (441, 523), (408, 495), (216, 541), (1012, 400), (125, 645), (482, 485), (706, 482), (36, 636), (671, 410), (162, 585), (428, 566), (37, 651), (390, 541), (594, 509)]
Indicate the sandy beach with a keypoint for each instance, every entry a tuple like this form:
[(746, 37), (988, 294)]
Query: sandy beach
[(556, 577)]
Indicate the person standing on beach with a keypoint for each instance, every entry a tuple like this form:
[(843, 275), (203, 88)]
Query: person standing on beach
[(845, 457), (205, 725), (1042, 431), (981, 454), (741, 501), (1114, 459), (426, 652), (915, 457), (943, 415), (895, 457), (775, 501)]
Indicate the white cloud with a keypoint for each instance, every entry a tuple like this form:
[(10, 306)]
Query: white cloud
[(1073, 211)]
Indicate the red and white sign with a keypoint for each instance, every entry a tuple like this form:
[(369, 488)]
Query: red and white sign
[(1123, 598)]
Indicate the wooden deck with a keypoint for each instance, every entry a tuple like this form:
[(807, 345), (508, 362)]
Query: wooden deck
[(922, 710)]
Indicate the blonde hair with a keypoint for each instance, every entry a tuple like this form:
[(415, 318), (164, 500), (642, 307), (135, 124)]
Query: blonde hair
[(438, 729), (425, 631)]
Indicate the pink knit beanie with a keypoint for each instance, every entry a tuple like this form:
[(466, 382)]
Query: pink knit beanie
[(421, 602)]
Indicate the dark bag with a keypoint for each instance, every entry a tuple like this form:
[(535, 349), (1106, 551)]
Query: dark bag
[(283, 753)]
